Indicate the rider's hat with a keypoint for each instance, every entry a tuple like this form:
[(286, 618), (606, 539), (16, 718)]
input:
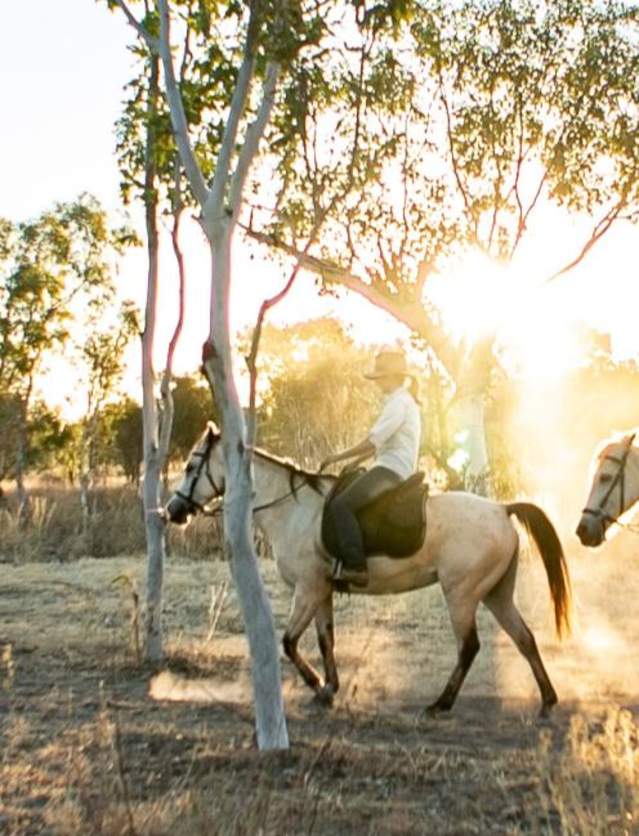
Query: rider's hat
[(387, 364)]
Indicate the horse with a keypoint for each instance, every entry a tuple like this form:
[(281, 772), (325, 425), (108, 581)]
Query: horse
[(614, 488), (471, 549)]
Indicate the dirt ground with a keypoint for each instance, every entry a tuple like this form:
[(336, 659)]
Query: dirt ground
[(93, 742)]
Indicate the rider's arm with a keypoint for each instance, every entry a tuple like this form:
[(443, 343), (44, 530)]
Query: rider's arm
[(362, 450)]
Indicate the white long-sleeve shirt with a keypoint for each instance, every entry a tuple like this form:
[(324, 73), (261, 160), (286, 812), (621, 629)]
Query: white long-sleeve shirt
[(396, 434)]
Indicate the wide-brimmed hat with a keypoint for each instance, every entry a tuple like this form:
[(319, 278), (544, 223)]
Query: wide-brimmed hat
[(388, 364)]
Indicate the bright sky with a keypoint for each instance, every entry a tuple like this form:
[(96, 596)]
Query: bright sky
[(62, 80)]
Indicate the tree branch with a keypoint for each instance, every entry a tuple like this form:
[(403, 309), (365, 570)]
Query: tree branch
[(599, 230), (253, 136), (453, 160), (165, 388), (414, 316), (238, 104), (152, 43), (523, 216), (176, 109)]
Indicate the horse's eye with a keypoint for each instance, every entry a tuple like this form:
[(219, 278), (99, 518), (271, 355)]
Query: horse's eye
[(605, 477), (188, 469)]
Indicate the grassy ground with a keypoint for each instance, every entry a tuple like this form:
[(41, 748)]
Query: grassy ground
[(93, 743)]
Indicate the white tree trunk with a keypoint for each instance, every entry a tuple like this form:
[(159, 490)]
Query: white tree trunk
[(153, 521), (220, 211), (155, 550), (470, 417), (270, 719)]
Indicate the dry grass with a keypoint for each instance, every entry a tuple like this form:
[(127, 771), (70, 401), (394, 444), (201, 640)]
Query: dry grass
[(591, 786), (93, 743), (56, 530)]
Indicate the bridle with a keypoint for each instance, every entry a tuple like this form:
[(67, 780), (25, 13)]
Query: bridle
[(618, 478), (204, 465)]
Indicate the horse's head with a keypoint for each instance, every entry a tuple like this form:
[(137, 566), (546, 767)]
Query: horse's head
[(203, 478), (615, 488)]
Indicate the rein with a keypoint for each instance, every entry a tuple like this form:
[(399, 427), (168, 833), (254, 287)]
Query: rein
[(620, 477), (214, 512), (204, 465)]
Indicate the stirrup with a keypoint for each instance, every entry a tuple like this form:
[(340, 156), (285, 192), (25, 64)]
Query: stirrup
[(342, 574)]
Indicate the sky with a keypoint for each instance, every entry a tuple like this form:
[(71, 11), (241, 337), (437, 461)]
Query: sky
[(63, 81)]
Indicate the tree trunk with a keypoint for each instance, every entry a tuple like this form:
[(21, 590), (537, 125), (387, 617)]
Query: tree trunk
[(238, 541), (154, 524), (24, 503), (470, 413), (86, 468), (155, 550)]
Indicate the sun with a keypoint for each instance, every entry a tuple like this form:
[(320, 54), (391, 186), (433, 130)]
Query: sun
[(531, 322)]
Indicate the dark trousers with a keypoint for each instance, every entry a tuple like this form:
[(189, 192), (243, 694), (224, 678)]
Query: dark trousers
[(358, 494)]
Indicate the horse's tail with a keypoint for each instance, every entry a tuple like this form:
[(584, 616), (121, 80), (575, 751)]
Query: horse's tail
[(543, 533)]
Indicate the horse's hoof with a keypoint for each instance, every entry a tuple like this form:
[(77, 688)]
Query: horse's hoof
[(545, 713), (435, 710), (324, 696)]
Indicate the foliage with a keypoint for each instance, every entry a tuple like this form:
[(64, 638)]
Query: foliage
[(120, 426), (125, 420), (46, 265), (192, 409), (52, 270), (48, 435), (420, 145), (316, 398), (101, 358)]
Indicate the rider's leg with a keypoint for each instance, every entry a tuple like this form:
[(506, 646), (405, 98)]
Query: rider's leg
[(345, 506)]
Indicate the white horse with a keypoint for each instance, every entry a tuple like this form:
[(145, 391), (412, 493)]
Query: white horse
[(471, 549), (614, 488)]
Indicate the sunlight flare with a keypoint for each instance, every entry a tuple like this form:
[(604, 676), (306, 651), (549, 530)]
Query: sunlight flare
[(531, 323)]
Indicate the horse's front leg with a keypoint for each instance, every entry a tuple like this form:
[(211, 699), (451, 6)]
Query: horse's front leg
[(306, 602), (326, 641)]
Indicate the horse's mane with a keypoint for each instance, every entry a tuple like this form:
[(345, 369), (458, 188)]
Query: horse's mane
[(311, 478), (618, 437)]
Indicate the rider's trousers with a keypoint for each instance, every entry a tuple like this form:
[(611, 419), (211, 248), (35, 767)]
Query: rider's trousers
[(344, 507)]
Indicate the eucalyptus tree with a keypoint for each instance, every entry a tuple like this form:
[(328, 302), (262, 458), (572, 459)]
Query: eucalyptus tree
[(492, 110), (51, 267), (101, 356), (252, 49), (151, 172), (252, 34)]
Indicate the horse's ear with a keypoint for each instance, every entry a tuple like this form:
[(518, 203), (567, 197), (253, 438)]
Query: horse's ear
[(213, 429), (630, 439)]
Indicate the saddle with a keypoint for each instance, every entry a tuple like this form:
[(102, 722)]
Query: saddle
[(393, 524)]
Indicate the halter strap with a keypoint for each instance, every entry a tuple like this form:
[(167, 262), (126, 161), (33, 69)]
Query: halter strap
[(620, 476), (204, 465)]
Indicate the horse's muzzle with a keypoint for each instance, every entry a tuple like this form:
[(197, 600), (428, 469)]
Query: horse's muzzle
[(177, 511), (591, 531)]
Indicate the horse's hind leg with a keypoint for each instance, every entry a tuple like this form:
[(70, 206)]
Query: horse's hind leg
[(326, 641), (305, 605), (462, 616), (500, 602)]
